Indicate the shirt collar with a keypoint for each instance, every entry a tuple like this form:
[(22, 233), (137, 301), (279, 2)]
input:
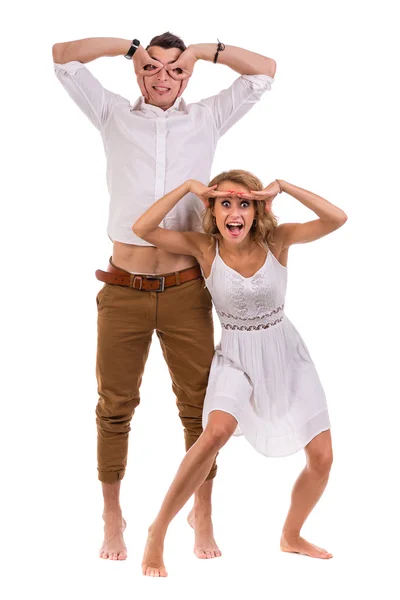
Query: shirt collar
[(141, 105)]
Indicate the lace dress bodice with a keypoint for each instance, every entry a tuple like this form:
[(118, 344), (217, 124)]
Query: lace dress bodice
[(248, 303)]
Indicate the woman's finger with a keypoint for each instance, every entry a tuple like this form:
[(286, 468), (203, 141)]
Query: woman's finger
[(218, 194), (268, 203), (248, 196)]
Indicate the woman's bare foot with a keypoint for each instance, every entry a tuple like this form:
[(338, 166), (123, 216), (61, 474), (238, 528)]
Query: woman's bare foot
[(204, 543), (153, 562), (113, 546), (299, 545)]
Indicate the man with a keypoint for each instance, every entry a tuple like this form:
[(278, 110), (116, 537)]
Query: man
[(151, 148)]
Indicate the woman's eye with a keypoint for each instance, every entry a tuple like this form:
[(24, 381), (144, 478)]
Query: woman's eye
[(244, 204), (226, 203)]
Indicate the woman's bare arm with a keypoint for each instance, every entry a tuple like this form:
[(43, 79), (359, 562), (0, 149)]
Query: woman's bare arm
[(330, 218), (190, 243)]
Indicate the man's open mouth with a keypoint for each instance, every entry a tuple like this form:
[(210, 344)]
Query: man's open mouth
[(161, 89)]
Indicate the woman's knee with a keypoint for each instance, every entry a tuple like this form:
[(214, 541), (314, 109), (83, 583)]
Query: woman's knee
[(219, 429), (321, 461), (319, 454)]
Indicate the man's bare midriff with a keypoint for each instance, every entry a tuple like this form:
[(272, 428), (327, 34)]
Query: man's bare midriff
[(148, 259)]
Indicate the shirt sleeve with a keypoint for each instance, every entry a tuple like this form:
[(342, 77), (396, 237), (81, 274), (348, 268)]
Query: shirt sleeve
[(231, 104), (86, 91)]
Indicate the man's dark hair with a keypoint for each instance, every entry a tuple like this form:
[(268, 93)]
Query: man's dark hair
[(167, 40)]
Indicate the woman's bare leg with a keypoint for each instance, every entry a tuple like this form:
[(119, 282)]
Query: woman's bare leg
[(200, 520), (306, 492), (191, 474)]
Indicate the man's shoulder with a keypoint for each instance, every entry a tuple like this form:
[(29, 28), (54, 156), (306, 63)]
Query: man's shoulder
[(197, 106), (122, 105)]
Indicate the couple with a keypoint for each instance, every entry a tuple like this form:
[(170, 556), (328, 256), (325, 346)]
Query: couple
[(156, 285)]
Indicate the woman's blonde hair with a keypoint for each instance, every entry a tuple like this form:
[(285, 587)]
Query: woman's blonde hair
[(265, 222)]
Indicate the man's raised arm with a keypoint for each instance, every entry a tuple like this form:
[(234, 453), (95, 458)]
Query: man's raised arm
[(89, 49), (240, 60)]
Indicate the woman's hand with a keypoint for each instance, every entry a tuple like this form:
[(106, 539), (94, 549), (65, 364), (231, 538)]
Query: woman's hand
[(204, 193), (267, 194)]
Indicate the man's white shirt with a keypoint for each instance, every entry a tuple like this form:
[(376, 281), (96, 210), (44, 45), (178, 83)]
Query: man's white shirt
[(150, 151)]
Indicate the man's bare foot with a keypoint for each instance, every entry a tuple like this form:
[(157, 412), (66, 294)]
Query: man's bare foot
[(153, 562), (299, 545), (113, 546), (204, 543)]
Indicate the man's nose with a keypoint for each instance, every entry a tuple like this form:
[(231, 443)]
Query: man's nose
[(163, 74)]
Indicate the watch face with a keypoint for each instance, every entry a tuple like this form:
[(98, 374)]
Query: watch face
[(135, 43)]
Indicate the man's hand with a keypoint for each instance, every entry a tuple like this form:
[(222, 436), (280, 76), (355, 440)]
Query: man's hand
[(267, 194), (183, 67), (204, 193), (144, 66)]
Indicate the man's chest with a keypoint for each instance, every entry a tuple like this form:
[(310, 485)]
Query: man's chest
[(179, 135)]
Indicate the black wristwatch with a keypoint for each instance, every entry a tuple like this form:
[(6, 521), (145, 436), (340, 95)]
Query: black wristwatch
[(134, 46)]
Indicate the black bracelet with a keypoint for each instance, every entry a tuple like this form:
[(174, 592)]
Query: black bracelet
[(220, 48)]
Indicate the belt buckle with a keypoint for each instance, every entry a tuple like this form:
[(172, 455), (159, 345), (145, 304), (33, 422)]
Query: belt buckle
[(134, 281), (159, 278)]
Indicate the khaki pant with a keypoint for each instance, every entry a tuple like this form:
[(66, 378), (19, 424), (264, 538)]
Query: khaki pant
[(182, 318)]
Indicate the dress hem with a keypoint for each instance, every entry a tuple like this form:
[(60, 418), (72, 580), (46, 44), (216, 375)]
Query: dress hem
[(303, 435)]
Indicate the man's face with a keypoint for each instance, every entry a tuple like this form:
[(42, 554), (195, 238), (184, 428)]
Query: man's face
[(161, 88)]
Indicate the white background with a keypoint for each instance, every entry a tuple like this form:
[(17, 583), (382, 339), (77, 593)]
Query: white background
[(329, 124)]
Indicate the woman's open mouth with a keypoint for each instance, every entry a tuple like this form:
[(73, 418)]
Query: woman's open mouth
[(234, 228)]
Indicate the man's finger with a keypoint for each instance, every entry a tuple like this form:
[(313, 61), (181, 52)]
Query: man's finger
[(147, 72), (178, 72), (140, 81), (184, 83), (180, 76)]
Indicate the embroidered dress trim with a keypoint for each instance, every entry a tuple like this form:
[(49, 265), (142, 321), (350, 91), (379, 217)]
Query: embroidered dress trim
[(263, 321)]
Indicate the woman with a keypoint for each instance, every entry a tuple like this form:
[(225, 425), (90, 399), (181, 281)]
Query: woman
[(262, 382)]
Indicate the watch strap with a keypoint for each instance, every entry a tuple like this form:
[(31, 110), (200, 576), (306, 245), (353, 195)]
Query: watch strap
[(134, 46)]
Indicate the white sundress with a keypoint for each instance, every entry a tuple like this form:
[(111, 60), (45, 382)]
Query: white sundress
[(262, 372)]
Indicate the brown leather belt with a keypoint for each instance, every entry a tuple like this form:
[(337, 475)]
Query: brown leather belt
[(147, 283)]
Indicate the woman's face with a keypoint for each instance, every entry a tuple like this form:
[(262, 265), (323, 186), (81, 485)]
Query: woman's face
[(234, 215)]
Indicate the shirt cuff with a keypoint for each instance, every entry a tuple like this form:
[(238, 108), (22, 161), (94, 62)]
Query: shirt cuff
[(262, 82), (70, 67)]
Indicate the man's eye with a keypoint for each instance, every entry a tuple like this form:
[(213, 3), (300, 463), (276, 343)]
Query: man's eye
[(178, 71), (149, 67)]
